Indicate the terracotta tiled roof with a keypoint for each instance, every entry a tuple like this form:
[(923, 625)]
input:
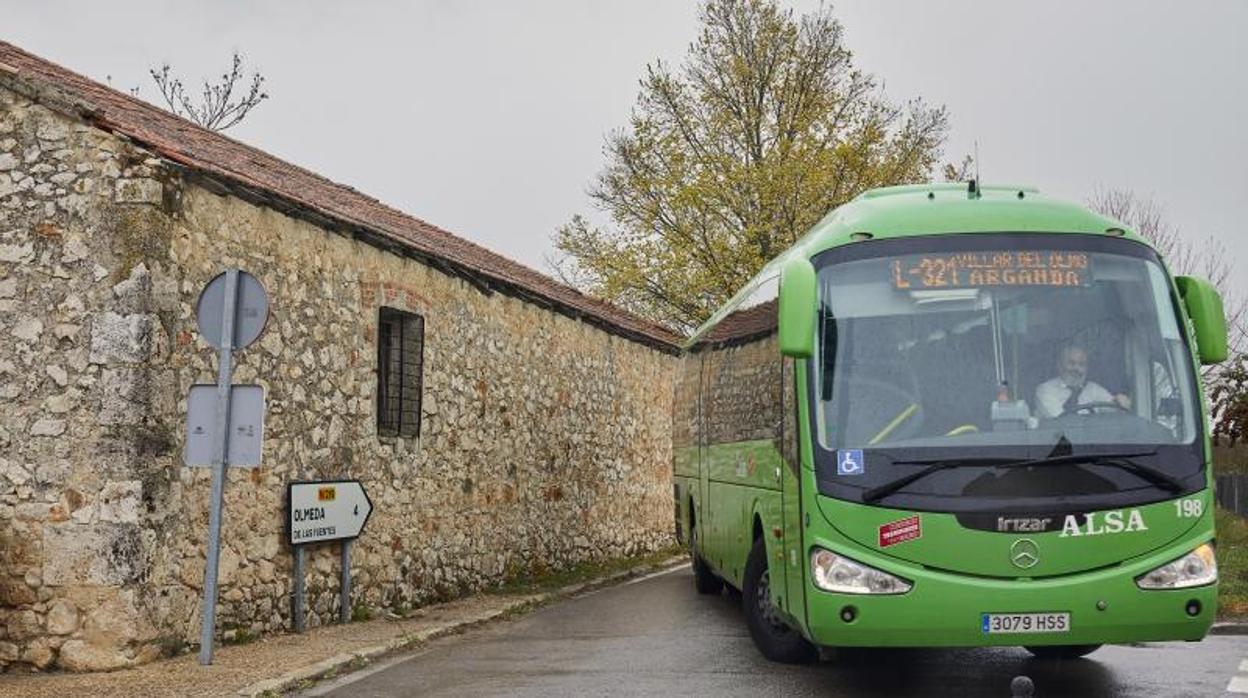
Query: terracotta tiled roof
[(741, 326), (236, 164)]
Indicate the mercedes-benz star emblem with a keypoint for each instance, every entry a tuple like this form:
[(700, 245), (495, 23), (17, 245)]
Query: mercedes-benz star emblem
[(1024, 553)]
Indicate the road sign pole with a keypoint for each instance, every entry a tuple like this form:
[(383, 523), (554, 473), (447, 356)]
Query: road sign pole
[(344, 589), (225, 365), (297, 600)]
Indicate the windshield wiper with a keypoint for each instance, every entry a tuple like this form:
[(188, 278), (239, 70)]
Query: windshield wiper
[(933, 465), (1117, 460)]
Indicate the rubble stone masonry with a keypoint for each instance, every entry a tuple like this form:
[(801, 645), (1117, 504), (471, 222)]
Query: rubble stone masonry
[(545, 441)]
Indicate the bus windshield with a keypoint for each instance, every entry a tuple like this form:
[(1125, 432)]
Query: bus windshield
[(977, 351)]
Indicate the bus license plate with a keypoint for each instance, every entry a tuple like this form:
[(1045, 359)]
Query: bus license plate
[(993, 623)]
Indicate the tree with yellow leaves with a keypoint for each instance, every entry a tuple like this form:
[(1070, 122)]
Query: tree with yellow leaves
[(765, 127)]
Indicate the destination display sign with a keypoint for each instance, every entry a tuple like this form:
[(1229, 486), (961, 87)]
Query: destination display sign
[(991, 268), (325, 510)]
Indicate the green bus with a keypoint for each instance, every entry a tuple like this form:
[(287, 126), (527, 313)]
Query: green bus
[(954, 415)]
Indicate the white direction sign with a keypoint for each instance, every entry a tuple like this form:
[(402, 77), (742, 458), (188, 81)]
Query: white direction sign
[(326, 510)]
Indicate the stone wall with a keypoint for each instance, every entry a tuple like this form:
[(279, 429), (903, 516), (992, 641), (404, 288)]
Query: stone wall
[(544, 441)]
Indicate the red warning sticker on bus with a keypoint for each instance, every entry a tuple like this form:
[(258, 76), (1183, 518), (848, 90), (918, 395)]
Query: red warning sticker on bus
[(900, 531)]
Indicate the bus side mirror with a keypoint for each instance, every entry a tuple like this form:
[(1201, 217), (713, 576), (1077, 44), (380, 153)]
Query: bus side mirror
[(1204, 307), (797, 308)]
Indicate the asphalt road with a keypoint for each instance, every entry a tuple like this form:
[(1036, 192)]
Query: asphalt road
[(656, 637)]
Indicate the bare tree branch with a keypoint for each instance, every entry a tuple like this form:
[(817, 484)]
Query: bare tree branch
[(1207, 258), (217, 109)]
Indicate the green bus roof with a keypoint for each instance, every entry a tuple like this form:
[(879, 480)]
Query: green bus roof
[(932, 209), (935, 209)]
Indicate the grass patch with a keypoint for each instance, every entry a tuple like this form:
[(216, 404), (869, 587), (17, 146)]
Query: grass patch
[(528, 582), (1232, 551), (358, 662), (239, 636), (361, 612)]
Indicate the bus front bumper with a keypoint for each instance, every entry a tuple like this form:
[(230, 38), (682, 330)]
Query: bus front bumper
[(947, 610)]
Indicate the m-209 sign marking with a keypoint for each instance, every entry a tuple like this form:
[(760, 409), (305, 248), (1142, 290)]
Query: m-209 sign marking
[(321, 511)]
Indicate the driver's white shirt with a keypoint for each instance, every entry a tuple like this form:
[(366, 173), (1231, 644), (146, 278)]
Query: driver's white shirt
[(1053, 393)]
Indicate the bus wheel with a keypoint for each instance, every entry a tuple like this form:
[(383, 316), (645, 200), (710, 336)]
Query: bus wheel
[(773, 637), (1061, 651), (704, 580)]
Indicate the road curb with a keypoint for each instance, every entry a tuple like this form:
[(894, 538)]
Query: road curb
[(1230, 627), (350, 661)]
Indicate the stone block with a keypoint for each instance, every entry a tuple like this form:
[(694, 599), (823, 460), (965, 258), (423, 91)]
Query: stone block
[(53, 471), (135, 292), (227, 567), (62, 403), (52, 130), (62, 617), (116, 622), (125, 396), (39, 654), (139, 191), (28, 329), (119, 338), (47, 427), (78, 655), (20, 546), (102, 554), (23, 625), (75, 248), (31, 511), (121, 502), (16, 592), (57, 374), (65, 331)]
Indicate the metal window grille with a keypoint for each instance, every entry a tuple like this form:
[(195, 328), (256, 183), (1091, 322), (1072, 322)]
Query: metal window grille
[(400, 362)]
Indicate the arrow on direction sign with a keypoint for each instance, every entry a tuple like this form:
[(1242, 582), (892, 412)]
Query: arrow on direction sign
[(325, 510)]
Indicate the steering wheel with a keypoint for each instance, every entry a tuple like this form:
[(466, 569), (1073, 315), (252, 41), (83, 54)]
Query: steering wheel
[(1091, 407)]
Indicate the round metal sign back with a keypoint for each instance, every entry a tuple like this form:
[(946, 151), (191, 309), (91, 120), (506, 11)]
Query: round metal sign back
[(250, 314)]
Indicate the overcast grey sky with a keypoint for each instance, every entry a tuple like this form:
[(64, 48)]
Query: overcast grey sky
[(487, 118)]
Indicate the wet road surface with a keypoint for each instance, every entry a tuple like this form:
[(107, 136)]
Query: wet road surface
[(655, 636)]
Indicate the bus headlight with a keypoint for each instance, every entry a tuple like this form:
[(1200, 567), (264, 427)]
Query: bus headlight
[(1194, 569), (832, 572)]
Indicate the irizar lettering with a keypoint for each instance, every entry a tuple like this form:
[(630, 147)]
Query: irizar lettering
[(1022, 525), (1097, 523)]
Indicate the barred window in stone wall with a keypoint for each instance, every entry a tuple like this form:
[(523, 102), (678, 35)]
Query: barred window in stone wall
[(400, 361)]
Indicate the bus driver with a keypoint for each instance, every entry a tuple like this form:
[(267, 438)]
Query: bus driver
[(1071, 388)]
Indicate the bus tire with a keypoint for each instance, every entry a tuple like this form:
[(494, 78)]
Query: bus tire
[(773, 637), (704, 580), (1061, 651)]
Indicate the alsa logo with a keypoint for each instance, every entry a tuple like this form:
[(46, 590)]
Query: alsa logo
[(1096, 523)]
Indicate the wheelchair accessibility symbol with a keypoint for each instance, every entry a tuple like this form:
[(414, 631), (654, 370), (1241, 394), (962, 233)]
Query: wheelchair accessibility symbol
[(849, 461)]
